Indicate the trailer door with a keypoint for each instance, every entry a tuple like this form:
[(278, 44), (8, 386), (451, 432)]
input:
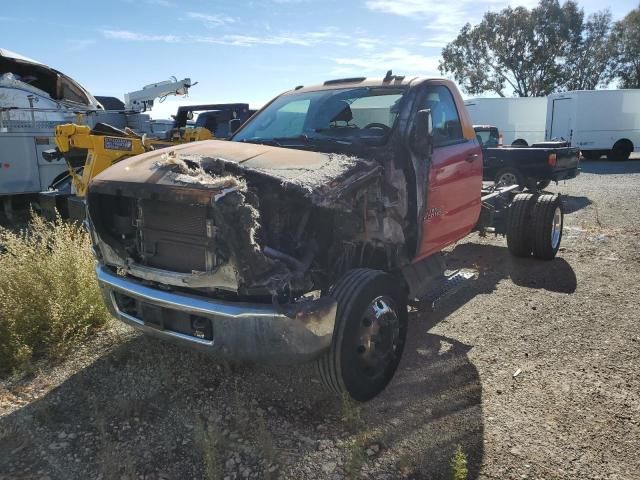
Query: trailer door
[(561, 119)]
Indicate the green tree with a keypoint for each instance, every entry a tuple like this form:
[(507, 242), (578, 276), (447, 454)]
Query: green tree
[(591, 60), (530, 52), (626, 40)]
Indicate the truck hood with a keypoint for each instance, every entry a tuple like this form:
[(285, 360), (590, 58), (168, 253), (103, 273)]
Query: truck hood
[(203, 166)]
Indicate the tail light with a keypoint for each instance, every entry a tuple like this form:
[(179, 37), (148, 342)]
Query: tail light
[(553, 159)]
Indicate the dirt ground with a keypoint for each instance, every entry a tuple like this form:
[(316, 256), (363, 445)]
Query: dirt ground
[(531, 368)]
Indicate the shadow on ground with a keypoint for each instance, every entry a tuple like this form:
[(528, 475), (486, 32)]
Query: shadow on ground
[(571, 203), (139, 408), (607, 167)]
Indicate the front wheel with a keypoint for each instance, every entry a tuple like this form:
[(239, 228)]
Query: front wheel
[(368, 336)]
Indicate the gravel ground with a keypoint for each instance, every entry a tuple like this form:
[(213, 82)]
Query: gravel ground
[(531, 368)]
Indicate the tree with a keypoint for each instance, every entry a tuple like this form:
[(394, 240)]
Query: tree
[(531, 52), (590, 62), (626, 40)]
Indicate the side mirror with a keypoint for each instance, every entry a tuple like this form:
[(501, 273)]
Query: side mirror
[(422, 132), (234, 124)]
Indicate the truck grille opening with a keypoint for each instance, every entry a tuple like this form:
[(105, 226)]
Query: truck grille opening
[(160, 234)]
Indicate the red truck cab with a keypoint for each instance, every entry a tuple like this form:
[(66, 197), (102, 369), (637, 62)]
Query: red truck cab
[(306, 236)]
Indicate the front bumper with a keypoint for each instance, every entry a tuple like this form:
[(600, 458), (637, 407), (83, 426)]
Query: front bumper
[(255, 332)]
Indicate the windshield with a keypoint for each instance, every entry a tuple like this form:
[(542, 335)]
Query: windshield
[(346, 115)]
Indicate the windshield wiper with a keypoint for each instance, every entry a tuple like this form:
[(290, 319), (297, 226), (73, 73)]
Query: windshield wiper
[(261, 141)]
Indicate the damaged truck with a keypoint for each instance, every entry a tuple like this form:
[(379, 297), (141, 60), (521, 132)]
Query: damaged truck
[(307, 236)]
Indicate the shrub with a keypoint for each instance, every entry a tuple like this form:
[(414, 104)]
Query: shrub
[(49, 296), (459, 470)]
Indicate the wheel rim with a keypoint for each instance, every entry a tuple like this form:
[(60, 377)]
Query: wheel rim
[(378, 336), (507, 179), (556, 228)]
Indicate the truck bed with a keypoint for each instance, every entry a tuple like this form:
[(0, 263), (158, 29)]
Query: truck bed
[(534, 164)]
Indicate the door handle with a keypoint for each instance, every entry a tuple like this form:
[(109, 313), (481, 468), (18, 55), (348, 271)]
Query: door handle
[(471, 157)]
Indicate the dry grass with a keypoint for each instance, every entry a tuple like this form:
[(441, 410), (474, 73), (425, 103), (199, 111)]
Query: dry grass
[(210, 443), (49, 297)]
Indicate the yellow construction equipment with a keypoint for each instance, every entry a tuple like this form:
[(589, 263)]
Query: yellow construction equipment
[(104, 146)]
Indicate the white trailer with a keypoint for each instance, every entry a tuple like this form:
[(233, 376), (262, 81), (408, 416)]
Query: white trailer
[(599, 122), (521, 120)]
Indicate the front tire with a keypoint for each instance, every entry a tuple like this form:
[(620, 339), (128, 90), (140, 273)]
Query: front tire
[(368, 336)]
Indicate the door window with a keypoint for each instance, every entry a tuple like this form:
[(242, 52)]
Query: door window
[(444, 114)]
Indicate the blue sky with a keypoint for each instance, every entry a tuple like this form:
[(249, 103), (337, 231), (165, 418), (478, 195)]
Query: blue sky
[(240, 51)]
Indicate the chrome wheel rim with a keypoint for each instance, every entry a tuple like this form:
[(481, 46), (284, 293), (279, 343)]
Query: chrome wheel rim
[(556, 228), (378, 336), (507, 179)]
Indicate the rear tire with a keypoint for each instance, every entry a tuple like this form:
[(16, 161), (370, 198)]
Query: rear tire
[(509, 176), (520, 142), (621, 151), (548, 222), (518, 225), (368, 336)]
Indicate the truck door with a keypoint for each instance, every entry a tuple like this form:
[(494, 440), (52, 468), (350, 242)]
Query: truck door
[(561, 119), (455, 176)]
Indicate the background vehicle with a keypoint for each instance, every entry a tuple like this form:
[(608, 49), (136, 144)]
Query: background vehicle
[(306, 236), (521, 120), (34, 99), (599, 122), (89, 151), (218, 118), (532, 167)]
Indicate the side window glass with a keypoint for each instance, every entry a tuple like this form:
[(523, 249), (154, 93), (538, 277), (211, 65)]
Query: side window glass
[(446, 122)]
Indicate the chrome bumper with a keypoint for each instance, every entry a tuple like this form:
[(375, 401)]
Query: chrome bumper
[(240, 331)]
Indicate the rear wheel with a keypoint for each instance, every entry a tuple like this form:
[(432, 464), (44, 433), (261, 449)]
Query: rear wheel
[(520, 142), (509, 176), (368, 337), (548, 221), (518, 225), (621, 150)]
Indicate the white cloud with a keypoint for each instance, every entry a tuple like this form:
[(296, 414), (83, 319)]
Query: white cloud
[(328, 36), (139, 37), (445, 19), (211, 20), (399, 59)]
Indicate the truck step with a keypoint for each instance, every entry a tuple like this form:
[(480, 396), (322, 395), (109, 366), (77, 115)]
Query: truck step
[(444, 288)]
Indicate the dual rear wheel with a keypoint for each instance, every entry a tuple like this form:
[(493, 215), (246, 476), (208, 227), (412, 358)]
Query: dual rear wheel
[(534, 225)]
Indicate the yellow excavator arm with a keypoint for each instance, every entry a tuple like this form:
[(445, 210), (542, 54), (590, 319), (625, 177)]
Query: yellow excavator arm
[(110, 145)]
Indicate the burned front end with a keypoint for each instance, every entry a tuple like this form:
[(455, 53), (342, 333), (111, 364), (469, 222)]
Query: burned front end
[(233, 247)]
